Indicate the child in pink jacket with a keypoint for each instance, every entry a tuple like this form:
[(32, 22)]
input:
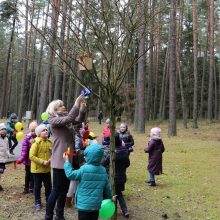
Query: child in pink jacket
[(24, 157)]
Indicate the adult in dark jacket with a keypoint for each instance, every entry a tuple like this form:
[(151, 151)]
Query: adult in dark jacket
[(100, 117), (155, 149), (62, 137)]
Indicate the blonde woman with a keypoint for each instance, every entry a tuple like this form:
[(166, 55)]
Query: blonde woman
[(62, 130)]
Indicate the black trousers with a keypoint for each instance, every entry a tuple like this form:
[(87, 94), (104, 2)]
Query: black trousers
[(88, 215), (58, 194), (38, 179), (15, 143), (29, 181)]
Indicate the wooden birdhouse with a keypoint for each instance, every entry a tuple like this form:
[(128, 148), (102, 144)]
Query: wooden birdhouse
[(85, 61)]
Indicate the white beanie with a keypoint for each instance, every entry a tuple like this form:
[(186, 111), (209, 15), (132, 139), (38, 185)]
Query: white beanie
[(155, 133), (107, 121), (2, 126), (39, 129)]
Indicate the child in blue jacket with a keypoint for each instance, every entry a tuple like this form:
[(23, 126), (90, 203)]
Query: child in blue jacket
[(94, 185)]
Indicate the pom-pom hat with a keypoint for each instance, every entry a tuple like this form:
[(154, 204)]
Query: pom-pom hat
[(39, 129)]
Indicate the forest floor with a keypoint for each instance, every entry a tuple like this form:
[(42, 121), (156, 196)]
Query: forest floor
[(188, 190)]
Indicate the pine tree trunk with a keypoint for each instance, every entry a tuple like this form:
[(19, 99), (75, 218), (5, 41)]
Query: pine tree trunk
[(157, 51), (219, 67), (179, 38), (60, 71), (162, 95), (5, 75), (25, 67), (47, 80), (38, 69), (172, 70), (195, 54), (211, 67), (83, 42), (204, 71), (150, 75)]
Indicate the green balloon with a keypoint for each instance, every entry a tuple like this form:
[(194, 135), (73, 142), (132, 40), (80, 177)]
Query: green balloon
[(44, 116), (107, 209)]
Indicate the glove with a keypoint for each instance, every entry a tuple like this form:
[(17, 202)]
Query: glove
[(18, 162), (14, 132), (130, 149)]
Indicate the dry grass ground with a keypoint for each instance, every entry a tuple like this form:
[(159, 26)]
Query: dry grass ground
[(188, 190)]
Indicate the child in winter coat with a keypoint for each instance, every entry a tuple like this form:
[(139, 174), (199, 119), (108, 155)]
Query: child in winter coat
[(126, 137), (4, 150), (93, 184), (40, 154), (155, 149), (122, 162), (24, 157), (106, 133), (11, 132)]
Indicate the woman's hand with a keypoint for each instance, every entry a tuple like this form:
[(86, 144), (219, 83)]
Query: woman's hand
[(79, 100), (65, 157), (82, 107)]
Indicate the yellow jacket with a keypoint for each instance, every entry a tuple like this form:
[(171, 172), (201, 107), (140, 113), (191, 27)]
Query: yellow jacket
[(40, 151)]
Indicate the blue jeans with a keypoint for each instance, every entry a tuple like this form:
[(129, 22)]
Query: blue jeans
[(58, 194), (38, 179), (151, 176)]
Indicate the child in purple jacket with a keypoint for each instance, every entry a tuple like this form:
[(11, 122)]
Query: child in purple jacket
[(155, 149), (24, 157)]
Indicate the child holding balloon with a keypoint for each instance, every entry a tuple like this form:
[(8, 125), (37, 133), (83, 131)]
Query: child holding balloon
[(93, 182), (24, 157)]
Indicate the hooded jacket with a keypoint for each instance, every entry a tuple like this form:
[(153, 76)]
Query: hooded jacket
[(93, 180), (39, 152), (4, 149), (26, 145)]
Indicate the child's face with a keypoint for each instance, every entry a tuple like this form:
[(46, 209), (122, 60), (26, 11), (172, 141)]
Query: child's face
[(33, 131), (122, 128), (44, 134), (3, 132)]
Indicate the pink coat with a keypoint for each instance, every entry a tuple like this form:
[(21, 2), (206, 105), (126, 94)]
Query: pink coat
[(26, 145)]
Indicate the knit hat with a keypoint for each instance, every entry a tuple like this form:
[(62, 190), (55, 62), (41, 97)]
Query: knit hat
[(107, 121), (155, 132), (92, 135), (13, 116), (2, 126), (39, 129), (33, 125)]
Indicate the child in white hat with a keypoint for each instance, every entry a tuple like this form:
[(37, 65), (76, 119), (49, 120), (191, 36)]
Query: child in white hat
[(40, 154), (155, 149), (4, 150)]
